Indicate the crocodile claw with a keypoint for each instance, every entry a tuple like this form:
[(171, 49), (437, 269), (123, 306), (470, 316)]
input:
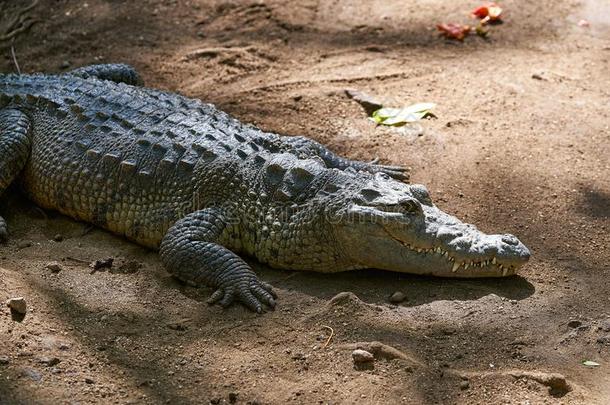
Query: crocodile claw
[(3, 230), (253, 294), (397, 172)]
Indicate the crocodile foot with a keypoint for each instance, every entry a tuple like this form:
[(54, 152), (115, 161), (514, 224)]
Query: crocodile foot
[(3, 230), (251, 292)]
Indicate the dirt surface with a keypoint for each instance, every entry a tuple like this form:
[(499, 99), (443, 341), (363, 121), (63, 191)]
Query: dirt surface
[(520, 145)]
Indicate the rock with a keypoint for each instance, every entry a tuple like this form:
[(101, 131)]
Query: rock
[(233, 397), (346, 298), (58, 238), (55, 267), (31, 373), (368, 103), (24, 244), (49, 361), (18, 305), (397, 297), (101, 264), (89, 381), (464, 385), (538, 76), (574, 323), (65, 64), (605, 325), (362, 356), (4, 360)]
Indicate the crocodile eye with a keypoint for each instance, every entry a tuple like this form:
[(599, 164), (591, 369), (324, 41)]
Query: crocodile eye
[(370, 194), (410, 206)]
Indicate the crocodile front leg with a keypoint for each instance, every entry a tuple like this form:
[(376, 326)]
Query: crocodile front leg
[(15, 146), (192, 251)]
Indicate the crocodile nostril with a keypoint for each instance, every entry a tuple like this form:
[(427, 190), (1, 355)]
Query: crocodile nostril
[(510, 239)]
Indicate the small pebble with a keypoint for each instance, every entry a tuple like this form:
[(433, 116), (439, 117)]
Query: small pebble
[(17, 304), (89, 381), (4, 360), (605, 325), (101, 264), (24, 244), (49, 361), (58, 238), (232, 397), (31, 373), (397, 297), (362, 356), (55, 267), (464, 385), (65, 64)]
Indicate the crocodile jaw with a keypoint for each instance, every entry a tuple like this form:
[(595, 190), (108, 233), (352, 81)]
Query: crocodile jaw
[(433, 243)]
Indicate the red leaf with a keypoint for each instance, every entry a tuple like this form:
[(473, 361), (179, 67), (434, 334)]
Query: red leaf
[(453, 30), (488, 12)]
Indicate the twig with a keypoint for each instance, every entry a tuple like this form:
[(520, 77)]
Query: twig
[(15, 59), (20, 23), (332, 333)]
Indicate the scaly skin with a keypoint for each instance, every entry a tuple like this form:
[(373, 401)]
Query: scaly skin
[(179, 175)]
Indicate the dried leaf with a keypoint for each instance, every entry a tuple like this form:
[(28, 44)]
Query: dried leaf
[(401, 116), (454, 30)]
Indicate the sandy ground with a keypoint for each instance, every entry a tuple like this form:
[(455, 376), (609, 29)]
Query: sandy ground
[(520, 145)]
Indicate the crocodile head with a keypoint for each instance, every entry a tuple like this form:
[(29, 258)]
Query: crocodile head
[(395, 226)]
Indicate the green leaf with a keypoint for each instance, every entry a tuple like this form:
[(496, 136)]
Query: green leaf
[(590, 363), (401, 116)]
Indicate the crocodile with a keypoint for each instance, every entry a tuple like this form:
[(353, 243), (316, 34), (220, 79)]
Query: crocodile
[(178, 175)]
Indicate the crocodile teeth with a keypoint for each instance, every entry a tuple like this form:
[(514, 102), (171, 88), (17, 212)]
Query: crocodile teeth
[(505, 271), (494, 261), (467, 265), (437, 250), (455, 267), (446, 254)]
